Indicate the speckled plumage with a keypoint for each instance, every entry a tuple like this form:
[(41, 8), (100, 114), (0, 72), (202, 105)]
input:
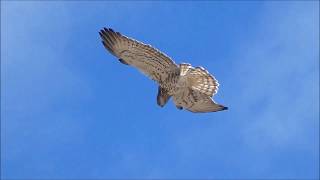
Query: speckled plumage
[(191, 88)]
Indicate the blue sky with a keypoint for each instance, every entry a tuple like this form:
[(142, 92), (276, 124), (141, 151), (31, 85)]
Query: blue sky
[(69, 109)]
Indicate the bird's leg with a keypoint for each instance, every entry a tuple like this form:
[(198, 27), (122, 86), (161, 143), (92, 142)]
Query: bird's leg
[(179, 107)]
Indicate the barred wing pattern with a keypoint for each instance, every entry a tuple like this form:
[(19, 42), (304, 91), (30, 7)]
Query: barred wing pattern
[(199, 79), (200, 87), (147, 59)]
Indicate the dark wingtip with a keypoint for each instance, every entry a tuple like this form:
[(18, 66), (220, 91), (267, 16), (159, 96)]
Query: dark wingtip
[(107, 29), (225, 108), (123, 62)]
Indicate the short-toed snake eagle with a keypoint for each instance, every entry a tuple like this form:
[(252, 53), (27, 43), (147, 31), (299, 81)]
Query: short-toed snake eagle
[(192, 88)]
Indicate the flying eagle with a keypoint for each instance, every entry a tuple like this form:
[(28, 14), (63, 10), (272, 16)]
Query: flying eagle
[(192, 88)]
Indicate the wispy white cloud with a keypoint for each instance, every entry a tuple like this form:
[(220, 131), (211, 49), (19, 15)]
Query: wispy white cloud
[(272, 82), (35, 81), (279, 74), (274, 76)]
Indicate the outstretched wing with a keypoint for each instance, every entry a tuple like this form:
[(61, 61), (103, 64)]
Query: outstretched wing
[(196, 101), (202, 81), (147, 59), (199, 79), (200, 87)]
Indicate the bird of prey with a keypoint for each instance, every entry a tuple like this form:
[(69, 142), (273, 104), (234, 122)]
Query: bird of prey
[(192, 88)]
